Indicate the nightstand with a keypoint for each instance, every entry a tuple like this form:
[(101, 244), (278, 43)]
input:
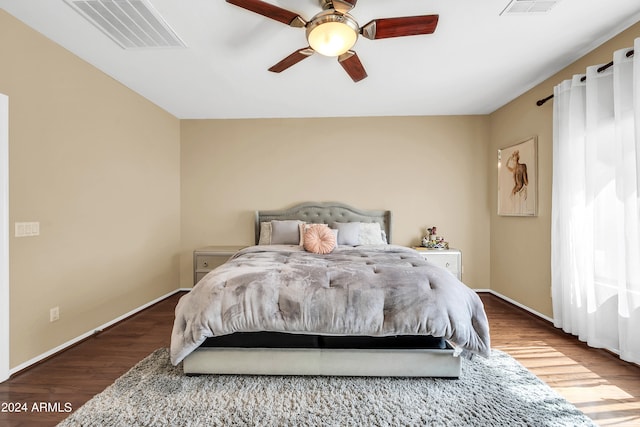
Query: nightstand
[(451, 259), (207, 258)]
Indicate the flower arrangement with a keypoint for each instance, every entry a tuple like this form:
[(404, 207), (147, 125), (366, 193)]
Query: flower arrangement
[(433, 241)]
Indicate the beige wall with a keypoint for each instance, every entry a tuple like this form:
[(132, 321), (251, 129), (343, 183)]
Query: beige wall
[(98, 167), (124, 191), (521, 247), (426, 170)]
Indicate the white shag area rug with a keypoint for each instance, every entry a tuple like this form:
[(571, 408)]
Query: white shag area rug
[(496, 391)]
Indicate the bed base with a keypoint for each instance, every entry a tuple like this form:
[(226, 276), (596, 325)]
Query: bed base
[(328, 362)]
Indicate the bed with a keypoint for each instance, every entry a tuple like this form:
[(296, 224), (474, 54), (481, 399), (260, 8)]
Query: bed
[(364, 308)]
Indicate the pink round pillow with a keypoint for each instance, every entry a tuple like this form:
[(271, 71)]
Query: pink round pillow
[(319, 239)]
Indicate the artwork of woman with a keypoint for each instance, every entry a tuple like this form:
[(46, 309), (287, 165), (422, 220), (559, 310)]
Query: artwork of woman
[(517, 174), (520, 178)]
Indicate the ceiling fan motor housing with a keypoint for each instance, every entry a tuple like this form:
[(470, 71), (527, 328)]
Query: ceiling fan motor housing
[(331, 33)]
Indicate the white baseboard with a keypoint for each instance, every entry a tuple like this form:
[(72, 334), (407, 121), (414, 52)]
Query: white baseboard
[(516, 303), (75, 340)]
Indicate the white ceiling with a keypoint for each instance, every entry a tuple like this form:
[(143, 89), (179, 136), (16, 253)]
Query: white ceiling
[(475, 62)]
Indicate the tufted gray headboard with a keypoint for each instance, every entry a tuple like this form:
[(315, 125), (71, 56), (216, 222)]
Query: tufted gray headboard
[(325, 213)]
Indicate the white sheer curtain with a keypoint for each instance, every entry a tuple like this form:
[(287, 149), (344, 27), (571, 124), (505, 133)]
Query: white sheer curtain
[(595, 242)]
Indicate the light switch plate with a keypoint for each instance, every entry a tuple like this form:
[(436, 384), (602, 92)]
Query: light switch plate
[(27, 229)]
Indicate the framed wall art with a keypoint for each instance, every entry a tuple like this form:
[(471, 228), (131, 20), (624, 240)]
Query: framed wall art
[(518, 178)]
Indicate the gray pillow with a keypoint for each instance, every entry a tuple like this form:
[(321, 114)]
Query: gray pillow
[(265, 233), (285, 232), (348, 233)]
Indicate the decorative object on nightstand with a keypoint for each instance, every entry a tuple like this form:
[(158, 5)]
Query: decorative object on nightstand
[(209, 257), (433, 241), (450, 259)]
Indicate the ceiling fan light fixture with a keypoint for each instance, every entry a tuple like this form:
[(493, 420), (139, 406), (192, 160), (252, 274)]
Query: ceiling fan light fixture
[(331, 33)]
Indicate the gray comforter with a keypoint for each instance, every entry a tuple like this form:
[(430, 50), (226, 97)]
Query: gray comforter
[(374, 290)]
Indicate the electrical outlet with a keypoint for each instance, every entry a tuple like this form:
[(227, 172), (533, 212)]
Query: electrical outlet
[(54, 314)]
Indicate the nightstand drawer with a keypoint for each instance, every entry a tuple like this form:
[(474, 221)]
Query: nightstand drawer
[(209, 262), (198, 275), (450, 259), (208, 258)]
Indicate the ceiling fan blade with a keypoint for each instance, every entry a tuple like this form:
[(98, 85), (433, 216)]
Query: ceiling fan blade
[(270, 11), (352, 65), (343, 6), (400, 27), (292, 59)]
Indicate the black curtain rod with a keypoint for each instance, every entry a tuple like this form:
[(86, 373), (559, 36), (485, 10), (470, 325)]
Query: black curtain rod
[(583, 78)]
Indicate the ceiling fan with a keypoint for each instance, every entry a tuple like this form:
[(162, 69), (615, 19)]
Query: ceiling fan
[(333, 32)]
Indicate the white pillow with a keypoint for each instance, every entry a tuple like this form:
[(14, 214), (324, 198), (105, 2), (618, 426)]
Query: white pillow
[(370, 234)]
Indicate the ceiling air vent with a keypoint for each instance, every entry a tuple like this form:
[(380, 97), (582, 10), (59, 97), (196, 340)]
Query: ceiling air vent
[(130, 23), (516, 7)]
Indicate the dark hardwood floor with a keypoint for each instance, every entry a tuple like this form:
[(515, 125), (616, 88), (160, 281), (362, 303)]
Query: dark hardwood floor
[(597, 382), (82, 371)]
